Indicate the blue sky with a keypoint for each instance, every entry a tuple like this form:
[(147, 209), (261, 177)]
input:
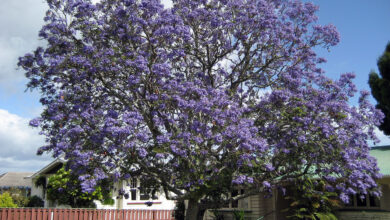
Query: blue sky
[(364, 27)]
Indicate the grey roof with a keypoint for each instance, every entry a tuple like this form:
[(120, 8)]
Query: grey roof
[(15, 179)]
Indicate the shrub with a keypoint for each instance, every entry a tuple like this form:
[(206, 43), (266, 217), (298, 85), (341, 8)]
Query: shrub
[(6, 201), (35, 201), (18, 196)]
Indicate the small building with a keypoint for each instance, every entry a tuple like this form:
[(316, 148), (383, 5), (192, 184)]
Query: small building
[(16, 180), (39, 179), (370, 207), (137, 198)]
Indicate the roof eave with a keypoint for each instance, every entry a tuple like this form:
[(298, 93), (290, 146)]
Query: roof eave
[(47, 167)]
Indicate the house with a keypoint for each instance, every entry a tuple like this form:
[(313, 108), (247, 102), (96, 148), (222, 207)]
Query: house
[(39, 179), (359, 209), (16, 180), (371, 207), (137, 198), (255, 206)]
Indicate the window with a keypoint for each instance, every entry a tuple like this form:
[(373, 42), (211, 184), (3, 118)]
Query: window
[(133, 189), (137, 194), (133, 183), (361, 201), (365, 201), (351, 201), (374, 201), (144, 195)]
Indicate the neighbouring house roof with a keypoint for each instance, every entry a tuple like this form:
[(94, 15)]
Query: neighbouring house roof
[(51, 168), (15, 179), (382, 155)]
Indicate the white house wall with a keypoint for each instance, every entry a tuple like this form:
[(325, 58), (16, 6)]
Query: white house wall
[(37, 191), (161, 203)]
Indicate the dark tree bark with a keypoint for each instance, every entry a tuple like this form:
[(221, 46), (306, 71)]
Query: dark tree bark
[(192, 210)]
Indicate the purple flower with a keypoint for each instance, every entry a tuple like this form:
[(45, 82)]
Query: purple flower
[(196, 93), (266, 184), (269, 167), (142, 152), (35, 122)]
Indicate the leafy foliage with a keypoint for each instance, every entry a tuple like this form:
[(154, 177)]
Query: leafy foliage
[(380, 87), (6, 201), (40, 182), (311, 200), (18, 195), (65, 188), (35, 201), (200, 97), (239, 214)]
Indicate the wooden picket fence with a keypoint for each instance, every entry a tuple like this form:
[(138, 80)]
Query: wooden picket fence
[(83, 214)]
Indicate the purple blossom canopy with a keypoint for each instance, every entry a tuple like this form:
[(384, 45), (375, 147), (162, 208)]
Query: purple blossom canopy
[(200, 97)]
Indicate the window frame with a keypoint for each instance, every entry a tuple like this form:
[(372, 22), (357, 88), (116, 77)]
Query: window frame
[(355, 198), (134, 186)]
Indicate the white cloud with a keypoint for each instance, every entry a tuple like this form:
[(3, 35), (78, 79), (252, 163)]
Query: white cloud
[(19, 144), (20, 23), (11, 48), (13, 165), (385, 140), (167, 3)]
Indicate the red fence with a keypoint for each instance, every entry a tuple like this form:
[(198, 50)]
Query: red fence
[(83, 214)]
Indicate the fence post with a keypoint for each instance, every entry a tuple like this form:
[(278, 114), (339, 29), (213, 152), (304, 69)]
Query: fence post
[(112, 214), (55, 214), (65, 214), (125, 214), (69, 213), (83, 214), (3, 213), (77, 215), (33, 214), (155, 214), (118, 215), (16, 214), (27, 214)]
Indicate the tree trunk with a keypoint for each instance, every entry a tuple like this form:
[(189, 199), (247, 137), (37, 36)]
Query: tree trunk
[(192, 210)]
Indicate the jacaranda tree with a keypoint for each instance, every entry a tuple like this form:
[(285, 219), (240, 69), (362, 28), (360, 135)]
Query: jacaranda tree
[(200, 98)]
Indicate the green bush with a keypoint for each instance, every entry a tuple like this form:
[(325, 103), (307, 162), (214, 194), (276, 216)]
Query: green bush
[(6, 201), (239, 214), (311, 200), (18, 196), (35, 201)]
